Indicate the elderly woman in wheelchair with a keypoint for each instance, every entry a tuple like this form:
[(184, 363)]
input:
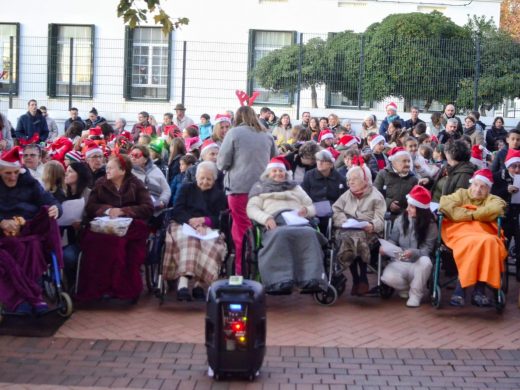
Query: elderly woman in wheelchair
[(358, 219), (291, 254), (470, 231), (28, 236)]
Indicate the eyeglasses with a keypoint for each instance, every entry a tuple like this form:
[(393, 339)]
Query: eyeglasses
[(136, 155), (515, 166), (30, 155)]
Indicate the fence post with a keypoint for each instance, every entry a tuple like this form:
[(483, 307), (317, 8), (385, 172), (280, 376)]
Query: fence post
[(477, 76), (361, 70), (183, 87), (71, 59), (300, 62), (11, 65)]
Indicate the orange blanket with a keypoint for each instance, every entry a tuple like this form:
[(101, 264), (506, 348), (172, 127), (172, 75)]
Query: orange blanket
[(478, 251)]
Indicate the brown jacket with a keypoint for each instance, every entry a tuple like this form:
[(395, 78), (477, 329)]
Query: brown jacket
[(133, 198)]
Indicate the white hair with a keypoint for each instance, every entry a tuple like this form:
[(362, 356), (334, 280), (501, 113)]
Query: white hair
[(209, 166), (363, 172)]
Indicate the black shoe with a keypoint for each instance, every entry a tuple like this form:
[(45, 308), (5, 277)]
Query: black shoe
[(310, 287), (284, 288), (183, 294), (198, 294)]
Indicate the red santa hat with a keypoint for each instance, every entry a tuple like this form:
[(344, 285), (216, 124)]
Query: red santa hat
[(207, 145), (512, 157), (375, 140), (222, 118), (74, 156), (484, 175), (172, 130), (476, 156), (278, 162), (398, 151), (419, 197), (348, 141), (92, 148), (325, 134), (333, 151), (391, 106), (95, 132), (12, 158)]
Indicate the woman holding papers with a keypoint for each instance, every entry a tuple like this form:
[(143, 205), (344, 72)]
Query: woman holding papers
[(110, 265), (359, 218), (414, 233), (188, 254), (291, 254)]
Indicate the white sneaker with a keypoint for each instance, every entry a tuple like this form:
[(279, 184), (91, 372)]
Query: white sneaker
[(413, 301), (403, 294)]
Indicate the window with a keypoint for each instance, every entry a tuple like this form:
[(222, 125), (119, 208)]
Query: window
[(59, 66), (9, 64), (262, 43), (148, 59)]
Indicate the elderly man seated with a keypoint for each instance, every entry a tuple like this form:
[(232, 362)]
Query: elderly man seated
[(470, 230), (28, 234)]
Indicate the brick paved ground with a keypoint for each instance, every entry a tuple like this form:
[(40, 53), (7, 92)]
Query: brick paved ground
[(155, 365)]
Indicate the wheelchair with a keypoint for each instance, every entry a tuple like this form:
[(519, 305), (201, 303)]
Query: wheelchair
[(154, 264), (52, 288), (336, 281), (444, 258)]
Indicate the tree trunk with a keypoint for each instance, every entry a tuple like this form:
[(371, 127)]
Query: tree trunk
[(428, 104), (407, 105), (314, 97)]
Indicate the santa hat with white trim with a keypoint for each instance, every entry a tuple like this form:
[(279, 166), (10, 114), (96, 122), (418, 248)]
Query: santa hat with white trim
[(398, 151), (12, 158), (477, 157), (347, 141), (207, 145), (513, 156), (374, 140), (222, 118), (92, 149), (484, 175), (325, 134), (391, 106), (278, 162), (419, 197)]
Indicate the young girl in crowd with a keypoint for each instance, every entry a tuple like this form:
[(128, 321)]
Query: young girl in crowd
[(185, 162), (53, 179)]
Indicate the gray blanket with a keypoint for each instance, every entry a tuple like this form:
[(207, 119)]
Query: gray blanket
[(292, 253)]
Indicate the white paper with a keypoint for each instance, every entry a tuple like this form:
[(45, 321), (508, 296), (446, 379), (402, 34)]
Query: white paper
[(323, 208), (189, 231), (292, 218), (515, 198), (434, 207), (72, 211), (390, 249), (354, 224)]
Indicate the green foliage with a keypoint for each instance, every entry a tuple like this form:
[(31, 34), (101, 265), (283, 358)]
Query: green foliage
[(133, 16)]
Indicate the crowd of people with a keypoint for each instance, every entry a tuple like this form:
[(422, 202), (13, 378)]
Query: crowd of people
[(258, 167)]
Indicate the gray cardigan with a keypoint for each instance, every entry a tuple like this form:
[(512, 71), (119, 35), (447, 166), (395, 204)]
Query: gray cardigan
[(243, 156), (409, 242)]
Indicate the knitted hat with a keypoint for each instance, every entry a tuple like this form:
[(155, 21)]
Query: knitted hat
[(222, 118), (398, 151), (513, 156), (484, 175), (95, 132), (278, 162), (92, 149), (419, 197), (476, 155), (391, 106), (374, 140), (348, 140), (12, 158), (325, 134), (74, 156), (207, 145), (157, 145)]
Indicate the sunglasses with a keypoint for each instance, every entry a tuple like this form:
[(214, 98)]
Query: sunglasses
[(136, 155)]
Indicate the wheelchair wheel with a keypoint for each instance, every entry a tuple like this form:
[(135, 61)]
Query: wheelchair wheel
[(326, 298), (151, 274), (339, 282), (65, 305), (436, 296), (385, 291), (500, 301), (49, 287)]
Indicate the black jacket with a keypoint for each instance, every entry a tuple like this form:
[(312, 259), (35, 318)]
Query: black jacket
[(25, 199), (458, 177), (394, 187), (319, 187), (492, 137), (194, 203)]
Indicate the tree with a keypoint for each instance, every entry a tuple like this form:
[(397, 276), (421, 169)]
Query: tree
[(416, 56), (278, 70), (510, 17), (499, 76), (133, 15)]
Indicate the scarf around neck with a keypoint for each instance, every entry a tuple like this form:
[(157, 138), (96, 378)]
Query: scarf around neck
[(268, 186)]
